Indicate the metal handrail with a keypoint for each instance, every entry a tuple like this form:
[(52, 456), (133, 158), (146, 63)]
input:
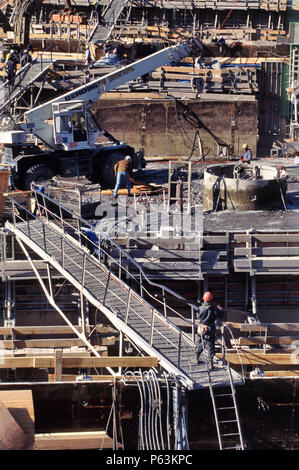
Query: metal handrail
[(67, 239), (44, 221), (122, 254), (20, 75)]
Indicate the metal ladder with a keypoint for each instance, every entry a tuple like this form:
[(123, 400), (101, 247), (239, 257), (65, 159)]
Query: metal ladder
[(226, 413)]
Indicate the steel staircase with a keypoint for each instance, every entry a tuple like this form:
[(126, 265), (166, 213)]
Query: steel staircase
[(59, 242), (25, 78), (134, 313), (102, 32)]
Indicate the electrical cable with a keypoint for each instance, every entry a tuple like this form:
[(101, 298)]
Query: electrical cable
[(147, 439), (160, 409)]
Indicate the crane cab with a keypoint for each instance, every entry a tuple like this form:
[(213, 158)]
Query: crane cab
[(74, 126)]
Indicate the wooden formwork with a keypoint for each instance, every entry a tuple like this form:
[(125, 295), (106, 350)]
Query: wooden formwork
[(4, 179), (17, 420)]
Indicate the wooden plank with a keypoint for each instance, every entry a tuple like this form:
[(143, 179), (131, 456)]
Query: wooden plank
[(75, 361), (52, 329), (58, 365), (52, 343), (258, 357), (266, 237), (90, 377), (73, 441), (268, 251), (278, 373), (277, 340), (270, 327), (11, 435), (169, 254), (20, 405)]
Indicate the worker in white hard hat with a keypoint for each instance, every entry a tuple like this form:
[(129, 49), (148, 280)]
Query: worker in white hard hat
[(123, 171), (247, 154)]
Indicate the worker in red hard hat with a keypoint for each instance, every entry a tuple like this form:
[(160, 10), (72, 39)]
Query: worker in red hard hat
[(207, 314)]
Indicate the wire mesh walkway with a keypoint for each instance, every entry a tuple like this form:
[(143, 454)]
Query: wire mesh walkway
[(127, 310), (25, 77)]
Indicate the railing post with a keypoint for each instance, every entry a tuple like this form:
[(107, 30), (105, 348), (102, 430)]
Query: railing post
[(83, 269), (45, 209), (179, 348), (62, 252), (44, 236), (223, 349), (141, 285), (164, 302), (152, 328), (106, 288), (119, 266), (13, 212), (128, 307), (193, 323), (28, 224), (61, 218)]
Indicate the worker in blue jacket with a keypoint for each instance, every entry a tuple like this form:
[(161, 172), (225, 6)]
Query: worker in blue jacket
[(247, 154)]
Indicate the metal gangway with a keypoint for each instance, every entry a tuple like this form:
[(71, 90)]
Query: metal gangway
[(59, 237), (102, 31), (33, 72)]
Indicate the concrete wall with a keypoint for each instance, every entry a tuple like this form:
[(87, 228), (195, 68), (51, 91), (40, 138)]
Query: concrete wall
[(154, 124)]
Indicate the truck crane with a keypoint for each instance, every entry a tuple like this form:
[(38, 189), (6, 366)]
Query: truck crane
[(69, 132)]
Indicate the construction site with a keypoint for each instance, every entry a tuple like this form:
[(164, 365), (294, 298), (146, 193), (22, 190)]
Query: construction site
[(102, 287)]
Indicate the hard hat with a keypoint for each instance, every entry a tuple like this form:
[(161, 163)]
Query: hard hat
[(11, 51), (245, 146), (128, 157), (207, 296)]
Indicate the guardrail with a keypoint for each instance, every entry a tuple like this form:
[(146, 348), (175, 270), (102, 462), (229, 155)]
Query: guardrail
[(71, 233)]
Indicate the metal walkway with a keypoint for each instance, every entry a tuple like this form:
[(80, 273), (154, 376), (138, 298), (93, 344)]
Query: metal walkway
[(134, 314), (102, 32), (25, 78)]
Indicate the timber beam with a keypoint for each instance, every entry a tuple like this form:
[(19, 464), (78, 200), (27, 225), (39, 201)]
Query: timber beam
[(258, 357), (77, 362), (53, 343), (73, 441), (53, 330)]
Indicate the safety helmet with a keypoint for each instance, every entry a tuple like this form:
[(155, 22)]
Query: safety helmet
[(128, 158), (245, 146), (12, 51), (207, 297)]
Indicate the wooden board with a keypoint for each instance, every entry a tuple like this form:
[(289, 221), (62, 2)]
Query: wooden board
[(258, 357), (77, 362), (52, 343), (52, 329), (73, 441), (11, 435), (76, 378), (277, 340), (270, 327), (19, 403)]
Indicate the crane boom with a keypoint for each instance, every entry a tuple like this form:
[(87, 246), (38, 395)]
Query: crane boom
[(35, 119)]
